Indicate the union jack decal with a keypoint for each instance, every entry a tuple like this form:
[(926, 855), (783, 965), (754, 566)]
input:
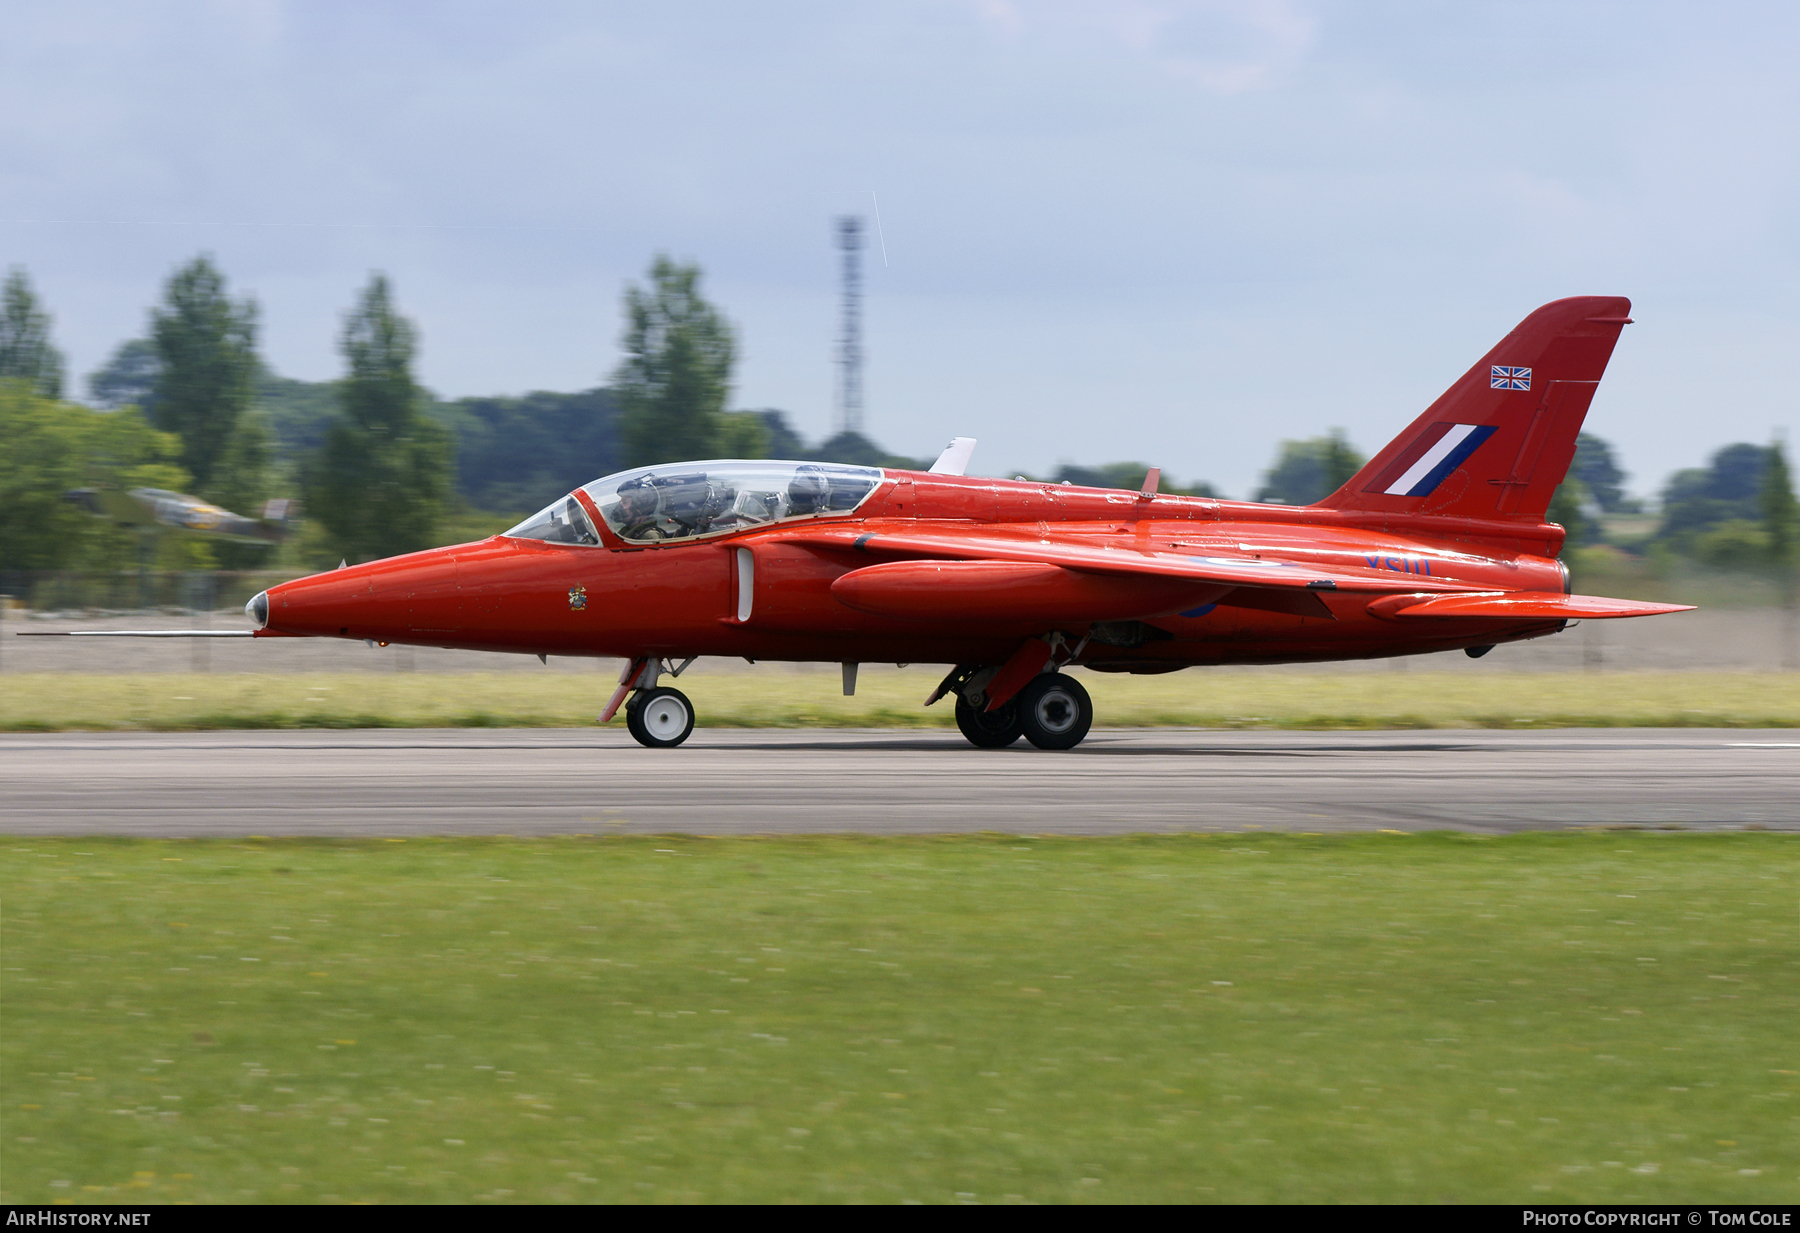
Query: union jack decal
[(1502, 377)]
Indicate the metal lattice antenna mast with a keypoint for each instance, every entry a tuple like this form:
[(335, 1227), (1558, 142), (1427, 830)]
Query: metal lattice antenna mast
[(850, 350)]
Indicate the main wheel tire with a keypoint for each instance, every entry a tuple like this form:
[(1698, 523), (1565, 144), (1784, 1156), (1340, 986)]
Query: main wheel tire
[(631, 716), (1055, 711), (988, 729), (662, 718)]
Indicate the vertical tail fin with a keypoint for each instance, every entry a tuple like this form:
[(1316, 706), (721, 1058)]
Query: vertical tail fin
[(1499, 441)]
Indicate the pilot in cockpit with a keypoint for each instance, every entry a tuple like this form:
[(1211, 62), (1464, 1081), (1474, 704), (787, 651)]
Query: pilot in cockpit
[(640, 516), (810, 491)]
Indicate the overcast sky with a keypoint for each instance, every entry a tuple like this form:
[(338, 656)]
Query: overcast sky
[(1174, 232)]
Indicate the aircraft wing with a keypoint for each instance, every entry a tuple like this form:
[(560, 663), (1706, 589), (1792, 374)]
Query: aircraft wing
[(1514, 605), (1086, 557)]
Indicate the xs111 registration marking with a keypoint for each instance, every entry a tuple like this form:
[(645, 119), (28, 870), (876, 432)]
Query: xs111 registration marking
[(1403, 565)]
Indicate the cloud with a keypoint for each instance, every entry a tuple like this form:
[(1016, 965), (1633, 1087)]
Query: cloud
[(1223, 46)]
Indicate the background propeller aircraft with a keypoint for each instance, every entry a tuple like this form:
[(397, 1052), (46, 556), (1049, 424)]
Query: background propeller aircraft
[(1439, 543), (155, 511)]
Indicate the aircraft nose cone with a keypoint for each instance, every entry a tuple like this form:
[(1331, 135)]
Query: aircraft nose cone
[(258, 609)]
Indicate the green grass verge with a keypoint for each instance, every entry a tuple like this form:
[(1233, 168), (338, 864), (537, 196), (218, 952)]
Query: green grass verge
[(1601, 1017), (42, 702)]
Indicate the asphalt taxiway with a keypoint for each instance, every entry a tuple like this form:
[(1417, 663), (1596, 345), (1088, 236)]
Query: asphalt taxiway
[(732, 781)]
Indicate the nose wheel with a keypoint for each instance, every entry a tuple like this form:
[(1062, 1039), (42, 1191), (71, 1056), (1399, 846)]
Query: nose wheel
[(659, 718)]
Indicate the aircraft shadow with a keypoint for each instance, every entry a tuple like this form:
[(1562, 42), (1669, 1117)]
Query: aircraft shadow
[(1097, 749)]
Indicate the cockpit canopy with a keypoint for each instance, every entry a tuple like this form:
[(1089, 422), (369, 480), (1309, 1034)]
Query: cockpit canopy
[(683, 500), (563, 521)]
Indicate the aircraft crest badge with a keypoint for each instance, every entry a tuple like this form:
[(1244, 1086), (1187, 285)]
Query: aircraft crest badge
[(577, 598)]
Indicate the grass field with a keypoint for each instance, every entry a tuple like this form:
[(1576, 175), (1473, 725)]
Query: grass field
[(1544, 1018), (52, 701)]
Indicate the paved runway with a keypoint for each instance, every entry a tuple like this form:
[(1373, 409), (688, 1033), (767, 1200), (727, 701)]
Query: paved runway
[(728, 781)]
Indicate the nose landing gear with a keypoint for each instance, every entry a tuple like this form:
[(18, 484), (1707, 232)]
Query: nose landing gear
[(659, 718), (656, 716)]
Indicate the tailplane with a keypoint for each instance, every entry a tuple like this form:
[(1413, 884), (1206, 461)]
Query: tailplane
[(1499, 441)]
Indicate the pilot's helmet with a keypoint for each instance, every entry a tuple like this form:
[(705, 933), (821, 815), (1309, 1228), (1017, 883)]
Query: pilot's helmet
[(638, 497), (809, 490)]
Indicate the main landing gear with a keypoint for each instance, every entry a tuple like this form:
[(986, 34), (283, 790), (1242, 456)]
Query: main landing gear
[(1055, 711), (1052, 711), (989, 729)]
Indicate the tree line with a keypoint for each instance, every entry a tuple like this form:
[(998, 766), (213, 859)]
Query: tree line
[(180, 411), (381, 466)]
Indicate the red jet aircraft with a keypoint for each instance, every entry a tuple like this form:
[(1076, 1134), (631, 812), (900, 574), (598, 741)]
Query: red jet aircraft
[(1439, 543)]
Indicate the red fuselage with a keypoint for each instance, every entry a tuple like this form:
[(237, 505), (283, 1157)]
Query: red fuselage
[(766, 592)]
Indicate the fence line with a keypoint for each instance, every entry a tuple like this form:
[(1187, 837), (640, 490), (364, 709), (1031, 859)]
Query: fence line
[(90, 592)]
